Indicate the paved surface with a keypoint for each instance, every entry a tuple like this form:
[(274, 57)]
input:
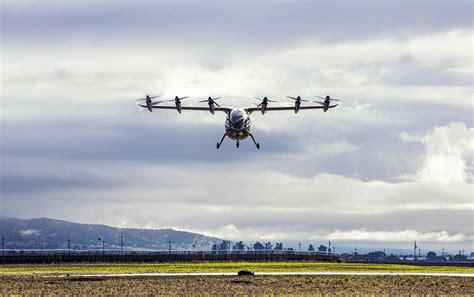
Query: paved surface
[(158, 274)]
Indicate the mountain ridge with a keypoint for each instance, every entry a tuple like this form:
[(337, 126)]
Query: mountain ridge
[(47, 233)]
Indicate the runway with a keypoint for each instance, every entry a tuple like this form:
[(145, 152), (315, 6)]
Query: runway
[(159, 274)]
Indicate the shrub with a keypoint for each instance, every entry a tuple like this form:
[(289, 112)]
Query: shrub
[(245, 272)]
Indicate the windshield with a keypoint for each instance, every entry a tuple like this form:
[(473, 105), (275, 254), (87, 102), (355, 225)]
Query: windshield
[(237, 118)]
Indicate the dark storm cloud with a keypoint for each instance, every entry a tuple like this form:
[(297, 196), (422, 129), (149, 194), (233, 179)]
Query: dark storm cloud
[(223, 24)]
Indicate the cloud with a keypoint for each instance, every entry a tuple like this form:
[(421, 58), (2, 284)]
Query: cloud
[(400, 236), (30, 232), (449, 150), (294, 233), (73, 144)]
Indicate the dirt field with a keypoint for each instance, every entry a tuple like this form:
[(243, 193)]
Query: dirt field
[(406, 285)]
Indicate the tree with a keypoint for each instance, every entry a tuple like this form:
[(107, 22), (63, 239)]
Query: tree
[(322, 248), (311, 248), (224, 245), (268, 246), (258, 246), (279, 246), (239, 246)]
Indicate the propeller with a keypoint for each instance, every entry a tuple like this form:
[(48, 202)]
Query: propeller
[(179, 99), (148, 102), (264, 101), (211, 100), (147, 98), (328, 98), (176, 99), (298, 99), (327, 102)]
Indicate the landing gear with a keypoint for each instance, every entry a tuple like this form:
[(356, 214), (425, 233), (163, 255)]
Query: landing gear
[(220, 143), (256, 143), (238, 143)]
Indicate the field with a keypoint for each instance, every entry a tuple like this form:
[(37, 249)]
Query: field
[(212, 285), (43, 279), (98, 268)]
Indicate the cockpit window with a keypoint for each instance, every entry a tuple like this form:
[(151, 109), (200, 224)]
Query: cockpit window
[(238, 119)]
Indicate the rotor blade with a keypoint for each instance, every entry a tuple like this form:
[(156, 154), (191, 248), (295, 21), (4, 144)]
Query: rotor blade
[(272, 101), (161, 101), (259, 104), (203, 100), (334, 99), (217, 98), (292, 97), (259, 98), (217, 104), (141, 99), (322, 103), (305, 100), (154, 97), (321, 97), (183, 97)]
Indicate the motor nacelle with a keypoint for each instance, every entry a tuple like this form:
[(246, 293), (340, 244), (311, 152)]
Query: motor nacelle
[(212, 104), (263, 105), (149, 103), (297, 104)]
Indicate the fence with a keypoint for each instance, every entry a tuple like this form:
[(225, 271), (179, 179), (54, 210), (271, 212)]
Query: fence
[(65, 256)]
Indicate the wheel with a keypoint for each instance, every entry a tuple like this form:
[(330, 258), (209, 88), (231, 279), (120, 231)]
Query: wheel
[(238, 144), (218, 145), (258, 146)]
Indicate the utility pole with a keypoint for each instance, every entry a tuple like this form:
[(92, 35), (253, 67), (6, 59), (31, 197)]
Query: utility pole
[(442, 253), (299, 246), (329, 247), (169, 246), (414, 251), (419, 253), (3, 246), (69, 245), (121, 244)]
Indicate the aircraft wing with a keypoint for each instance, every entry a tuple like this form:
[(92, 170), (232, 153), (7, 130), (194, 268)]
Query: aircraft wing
[(203, 108), (276, 108)]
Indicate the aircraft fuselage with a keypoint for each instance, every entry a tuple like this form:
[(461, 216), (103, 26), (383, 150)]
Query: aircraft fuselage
[(238, 124)]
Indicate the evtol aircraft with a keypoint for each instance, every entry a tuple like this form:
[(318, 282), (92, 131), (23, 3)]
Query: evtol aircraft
[(237, 123)]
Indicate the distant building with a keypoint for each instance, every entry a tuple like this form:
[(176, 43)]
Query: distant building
[(322, 248), (432, 257), (391, 259)]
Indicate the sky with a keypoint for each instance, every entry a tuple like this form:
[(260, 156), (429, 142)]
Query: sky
[(392, 164)]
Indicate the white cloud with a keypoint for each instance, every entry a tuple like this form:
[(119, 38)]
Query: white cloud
[(448, 154), (30, 232), (397, 236), (294, 233)]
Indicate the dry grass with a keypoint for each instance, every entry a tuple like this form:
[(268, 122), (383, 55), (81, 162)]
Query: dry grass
[(226, 285), (100, 268)]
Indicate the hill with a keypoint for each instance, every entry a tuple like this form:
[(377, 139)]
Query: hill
[(54, 234)]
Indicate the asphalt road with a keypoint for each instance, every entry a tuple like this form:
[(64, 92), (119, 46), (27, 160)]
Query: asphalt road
[(264, 273)]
